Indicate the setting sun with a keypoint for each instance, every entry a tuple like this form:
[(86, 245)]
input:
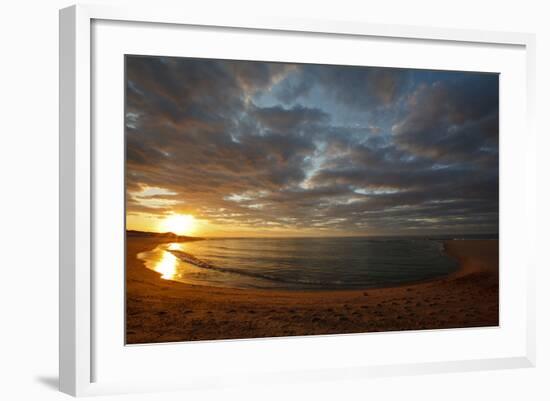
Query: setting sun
[(181, 224)]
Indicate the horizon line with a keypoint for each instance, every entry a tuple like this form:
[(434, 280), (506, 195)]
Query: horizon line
[(169, 233)]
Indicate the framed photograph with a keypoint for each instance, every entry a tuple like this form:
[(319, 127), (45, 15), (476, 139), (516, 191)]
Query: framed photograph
[(294, 200)]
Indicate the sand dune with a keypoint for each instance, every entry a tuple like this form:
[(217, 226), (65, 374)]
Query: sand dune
[(163, 311)]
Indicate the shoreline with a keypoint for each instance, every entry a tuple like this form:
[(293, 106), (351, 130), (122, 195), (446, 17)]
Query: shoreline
[(198, 262), (161, 310)]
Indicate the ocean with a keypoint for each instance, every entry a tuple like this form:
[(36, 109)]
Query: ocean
[(301, 263)]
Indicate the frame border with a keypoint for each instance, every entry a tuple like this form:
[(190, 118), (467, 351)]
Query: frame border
[(75, 173)]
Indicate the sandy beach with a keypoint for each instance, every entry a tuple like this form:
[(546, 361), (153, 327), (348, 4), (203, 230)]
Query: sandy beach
[(160, 310)]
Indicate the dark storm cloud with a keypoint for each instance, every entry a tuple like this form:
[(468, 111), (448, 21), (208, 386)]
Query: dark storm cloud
[(257, 144), (287, 120), (356, 87), (452, 121)]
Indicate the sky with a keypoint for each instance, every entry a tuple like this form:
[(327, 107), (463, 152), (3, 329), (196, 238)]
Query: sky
[(246, 148)]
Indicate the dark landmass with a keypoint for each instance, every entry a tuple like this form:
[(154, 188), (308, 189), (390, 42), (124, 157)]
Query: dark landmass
[(168, 236)]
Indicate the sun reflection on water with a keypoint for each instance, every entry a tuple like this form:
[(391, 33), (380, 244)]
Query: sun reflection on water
[(175, 246), (166, 266)]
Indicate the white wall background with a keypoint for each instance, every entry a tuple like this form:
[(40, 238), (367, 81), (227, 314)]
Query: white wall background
[(29, 214)]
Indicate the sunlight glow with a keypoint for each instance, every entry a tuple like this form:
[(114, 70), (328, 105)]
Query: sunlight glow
[(180, 224)]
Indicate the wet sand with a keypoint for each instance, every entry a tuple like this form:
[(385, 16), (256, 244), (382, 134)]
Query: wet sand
[(159, 310)]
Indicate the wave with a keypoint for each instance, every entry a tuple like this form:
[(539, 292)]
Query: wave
[(187, 257), (335, 263)]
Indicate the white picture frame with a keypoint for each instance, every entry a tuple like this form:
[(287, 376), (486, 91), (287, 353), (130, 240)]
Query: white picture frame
[(78, 151)]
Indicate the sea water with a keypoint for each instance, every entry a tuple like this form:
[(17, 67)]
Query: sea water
[(301, 263)]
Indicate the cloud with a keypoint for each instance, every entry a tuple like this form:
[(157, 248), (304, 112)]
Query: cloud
[(288, 120), (353, 150), (355, 87), (451, 120)]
